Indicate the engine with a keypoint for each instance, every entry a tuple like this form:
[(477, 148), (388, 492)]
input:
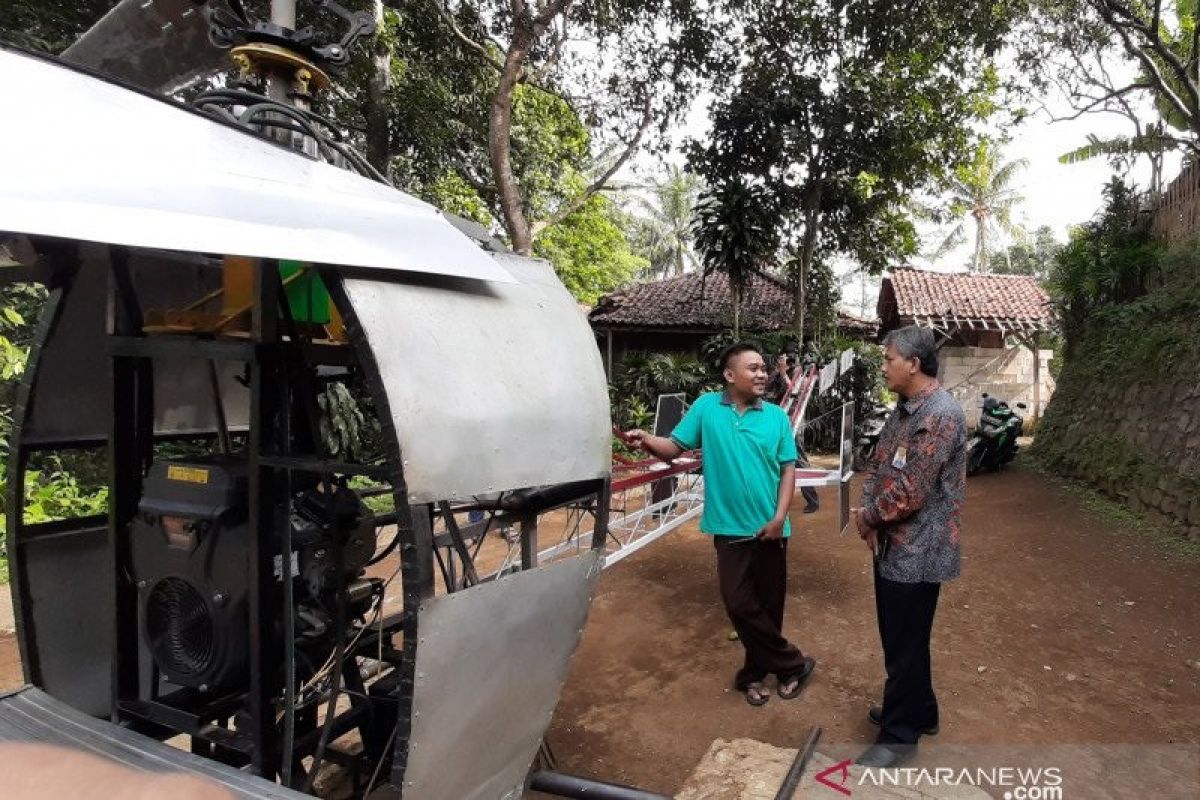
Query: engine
[(189, 551)]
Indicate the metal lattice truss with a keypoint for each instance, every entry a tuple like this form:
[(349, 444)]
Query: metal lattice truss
[(649, 500)]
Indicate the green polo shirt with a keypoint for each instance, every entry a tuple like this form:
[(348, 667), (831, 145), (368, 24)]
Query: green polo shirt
[(744, 455)]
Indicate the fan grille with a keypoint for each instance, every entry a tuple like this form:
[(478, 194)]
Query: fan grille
[(180, 628)]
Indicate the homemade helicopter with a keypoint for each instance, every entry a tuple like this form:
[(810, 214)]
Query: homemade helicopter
[(227, 281)]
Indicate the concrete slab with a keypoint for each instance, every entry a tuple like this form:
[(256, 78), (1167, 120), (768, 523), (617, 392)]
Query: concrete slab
[(745, 769)]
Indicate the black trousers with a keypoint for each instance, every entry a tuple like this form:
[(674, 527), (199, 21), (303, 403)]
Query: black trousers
[(811, 500), (753, 579), (905, 613)]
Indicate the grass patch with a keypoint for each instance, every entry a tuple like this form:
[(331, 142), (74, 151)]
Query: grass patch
[(3, 570), (1119, 518)]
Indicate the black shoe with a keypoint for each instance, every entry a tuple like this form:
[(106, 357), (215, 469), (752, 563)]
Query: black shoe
[(886, 756), (811, 509), (875, 714)]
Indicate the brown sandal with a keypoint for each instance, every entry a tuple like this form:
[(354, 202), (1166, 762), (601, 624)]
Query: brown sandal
[(757, 694), (797, 681)]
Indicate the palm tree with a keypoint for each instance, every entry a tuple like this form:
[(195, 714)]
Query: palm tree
[(666, 226), (1153, 142), (733, 236), (982, 191)]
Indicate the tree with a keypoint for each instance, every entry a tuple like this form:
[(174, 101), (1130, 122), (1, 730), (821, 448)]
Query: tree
[(1151, 141), (1034, 256), (842, 110), (49, 25), (1079, 40), (733, 236), (589, 250), (664, 230), (983, 191), (648, 56), (1107, 261)]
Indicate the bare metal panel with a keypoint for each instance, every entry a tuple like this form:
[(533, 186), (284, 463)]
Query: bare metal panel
[(172, 179), (160, 45), (72, 398), (491, 662), (492, 386)]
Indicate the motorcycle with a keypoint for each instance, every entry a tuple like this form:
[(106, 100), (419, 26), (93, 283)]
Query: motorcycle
[(995, 441), (867, 435)]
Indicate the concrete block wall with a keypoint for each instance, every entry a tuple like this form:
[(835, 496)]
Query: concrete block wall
[(1008, 374)]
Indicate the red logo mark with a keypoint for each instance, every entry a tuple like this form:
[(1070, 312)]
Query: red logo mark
[(842, 767)]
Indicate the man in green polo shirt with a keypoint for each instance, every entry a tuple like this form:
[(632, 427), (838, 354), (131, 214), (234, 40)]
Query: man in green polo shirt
[(749, 458)]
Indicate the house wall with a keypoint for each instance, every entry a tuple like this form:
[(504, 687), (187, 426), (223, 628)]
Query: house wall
[(1006, 373)]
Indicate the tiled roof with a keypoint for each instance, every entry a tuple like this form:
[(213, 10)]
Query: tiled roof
[(677, 303), (964, 300)]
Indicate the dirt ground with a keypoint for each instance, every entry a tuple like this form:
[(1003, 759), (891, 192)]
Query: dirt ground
[(1084, 634)]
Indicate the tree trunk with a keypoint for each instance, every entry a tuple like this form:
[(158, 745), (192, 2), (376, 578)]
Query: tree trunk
[(812, 218), (378, 135), (735, 296), (1035, 341), (512, 215), (679, 261), (979, 245)]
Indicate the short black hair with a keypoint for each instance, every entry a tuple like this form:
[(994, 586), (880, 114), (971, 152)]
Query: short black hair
[(736, 350)]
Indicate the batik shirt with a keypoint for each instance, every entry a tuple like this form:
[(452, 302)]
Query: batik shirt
[(915, 486)]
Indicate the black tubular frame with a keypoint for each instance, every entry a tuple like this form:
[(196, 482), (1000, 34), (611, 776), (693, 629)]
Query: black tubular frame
[(258, 741)]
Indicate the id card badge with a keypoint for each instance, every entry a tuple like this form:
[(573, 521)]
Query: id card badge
[(900, 460)]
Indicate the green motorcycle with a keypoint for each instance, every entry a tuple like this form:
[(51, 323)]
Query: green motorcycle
[(995, 441)]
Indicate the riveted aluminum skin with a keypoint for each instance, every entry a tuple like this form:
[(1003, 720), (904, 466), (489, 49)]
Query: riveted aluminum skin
[(492, 386), (175, 179)]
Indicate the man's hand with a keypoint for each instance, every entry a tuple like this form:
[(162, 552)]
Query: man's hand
[(657, 446), (636, 438), (865, 532), (772, 531)]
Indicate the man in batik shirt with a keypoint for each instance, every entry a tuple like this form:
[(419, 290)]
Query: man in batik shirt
[(911, 518)]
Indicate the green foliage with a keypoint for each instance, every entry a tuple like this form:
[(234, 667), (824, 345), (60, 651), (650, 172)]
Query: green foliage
[(58, 495), (453, 194), (639, 379), (1034, 256), (63, 485), (1154, 142), (981, 191), (49, 25), (589, 250), (733, 236), (842, 112), (1106, 263), (349, 431), (1132, 313), (662, 232)]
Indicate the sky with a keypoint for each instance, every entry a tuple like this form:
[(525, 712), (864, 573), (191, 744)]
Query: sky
[(1055, 194)]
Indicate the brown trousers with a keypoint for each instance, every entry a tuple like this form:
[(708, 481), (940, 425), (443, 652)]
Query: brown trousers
[(753, 579)]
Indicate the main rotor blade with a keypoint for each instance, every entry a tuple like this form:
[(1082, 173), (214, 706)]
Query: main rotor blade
[(161, 45)]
